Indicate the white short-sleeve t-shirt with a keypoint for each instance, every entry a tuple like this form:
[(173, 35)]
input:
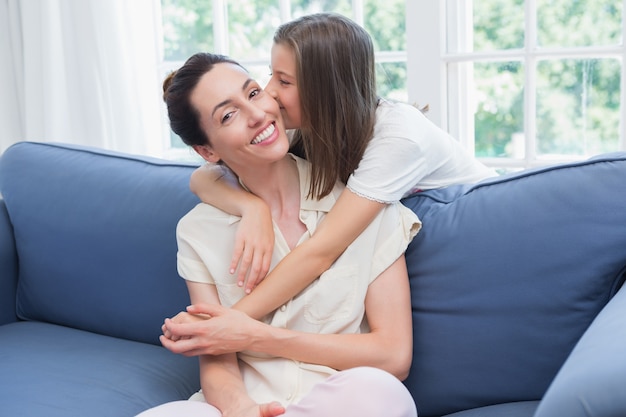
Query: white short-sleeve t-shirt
[(408, 153)]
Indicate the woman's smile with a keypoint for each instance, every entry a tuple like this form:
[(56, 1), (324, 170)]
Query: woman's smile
[(267, 136)]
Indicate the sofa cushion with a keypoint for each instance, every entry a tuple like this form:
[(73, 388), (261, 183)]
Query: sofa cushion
[(54, 371), (592, 380), (8, 266), (506, 276), (515, 409), (95, 233)]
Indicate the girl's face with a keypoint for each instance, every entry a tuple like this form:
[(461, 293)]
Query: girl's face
[(283, 85), (242, 121)]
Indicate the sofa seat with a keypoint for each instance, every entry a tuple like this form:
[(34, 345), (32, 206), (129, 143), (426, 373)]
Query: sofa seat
[(514, 409), (64, 369)]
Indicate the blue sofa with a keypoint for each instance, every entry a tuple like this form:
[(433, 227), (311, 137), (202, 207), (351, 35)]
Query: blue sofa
[(515, 284)]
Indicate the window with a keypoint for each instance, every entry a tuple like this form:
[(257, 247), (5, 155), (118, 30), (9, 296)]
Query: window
[(243, 29), (521, 83)]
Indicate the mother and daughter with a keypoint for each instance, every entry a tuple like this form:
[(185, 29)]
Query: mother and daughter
[(326, 340)]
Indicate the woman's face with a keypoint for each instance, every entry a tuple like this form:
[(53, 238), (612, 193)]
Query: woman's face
[(283, 85), (243, 123)]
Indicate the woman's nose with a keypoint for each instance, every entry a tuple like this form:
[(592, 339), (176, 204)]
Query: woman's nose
[(257, 115)]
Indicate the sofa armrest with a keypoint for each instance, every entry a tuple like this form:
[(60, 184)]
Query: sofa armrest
[(8, 268), (592, 380)]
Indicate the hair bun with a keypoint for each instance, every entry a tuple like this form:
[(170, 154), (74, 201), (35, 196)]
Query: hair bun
[(166, 84)]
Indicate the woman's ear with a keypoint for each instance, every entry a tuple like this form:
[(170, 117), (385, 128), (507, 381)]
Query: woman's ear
[(207, 153)]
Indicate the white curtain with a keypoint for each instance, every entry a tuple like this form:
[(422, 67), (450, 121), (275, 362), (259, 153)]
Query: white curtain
[(82, 72)]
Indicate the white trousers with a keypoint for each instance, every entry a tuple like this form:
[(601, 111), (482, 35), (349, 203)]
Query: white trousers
[(357, 392)]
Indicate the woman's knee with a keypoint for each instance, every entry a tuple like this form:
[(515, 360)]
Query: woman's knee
[(380, 392), (361, 392)]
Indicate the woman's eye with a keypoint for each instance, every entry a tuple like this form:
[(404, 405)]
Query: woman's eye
[(226, 117), (255, 92), (283, 82)]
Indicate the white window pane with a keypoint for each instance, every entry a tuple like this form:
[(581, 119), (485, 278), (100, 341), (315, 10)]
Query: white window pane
[(385, 22), (187, 28), (302, 7), (391, 80), (567, 23), (499, 109), (578, 105), (251, 26), (498, 24)]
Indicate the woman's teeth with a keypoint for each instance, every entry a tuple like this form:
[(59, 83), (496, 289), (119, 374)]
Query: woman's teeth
[(264, 134)]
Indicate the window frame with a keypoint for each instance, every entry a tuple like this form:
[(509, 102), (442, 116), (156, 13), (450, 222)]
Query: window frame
[(435, 27)]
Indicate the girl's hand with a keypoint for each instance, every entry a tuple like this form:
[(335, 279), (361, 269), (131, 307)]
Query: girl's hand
[(182, 317), (254, 243), (220, 330)]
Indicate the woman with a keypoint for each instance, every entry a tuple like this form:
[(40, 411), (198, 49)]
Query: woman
[(323, 77), (325, 352)]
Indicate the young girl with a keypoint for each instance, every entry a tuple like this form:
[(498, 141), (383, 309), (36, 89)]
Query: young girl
[(325, 352), (323, 78)]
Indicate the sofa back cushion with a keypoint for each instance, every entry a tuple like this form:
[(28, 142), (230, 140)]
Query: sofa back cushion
[(8, 267), (95, 237), (505, 277)]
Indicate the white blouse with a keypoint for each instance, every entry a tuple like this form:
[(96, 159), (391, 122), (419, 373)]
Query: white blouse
[(334, 303)]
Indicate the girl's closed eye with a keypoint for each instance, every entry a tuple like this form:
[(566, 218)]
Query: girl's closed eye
[(280, 80)]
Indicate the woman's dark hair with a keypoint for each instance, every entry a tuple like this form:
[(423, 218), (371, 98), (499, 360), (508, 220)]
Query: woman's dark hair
[(177, 89), (336, 80)]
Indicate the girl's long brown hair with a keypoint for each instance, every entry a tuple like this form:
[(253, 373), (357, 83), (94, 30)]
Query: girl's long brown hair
[(335, 73)]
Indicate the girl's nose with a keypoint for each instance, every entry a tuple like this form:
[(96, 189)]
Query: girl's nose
[(269, 88)]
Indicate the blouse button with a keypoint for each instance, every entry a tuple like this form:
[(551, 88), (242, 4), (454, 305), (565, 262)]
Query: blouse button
[(283, 308)]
